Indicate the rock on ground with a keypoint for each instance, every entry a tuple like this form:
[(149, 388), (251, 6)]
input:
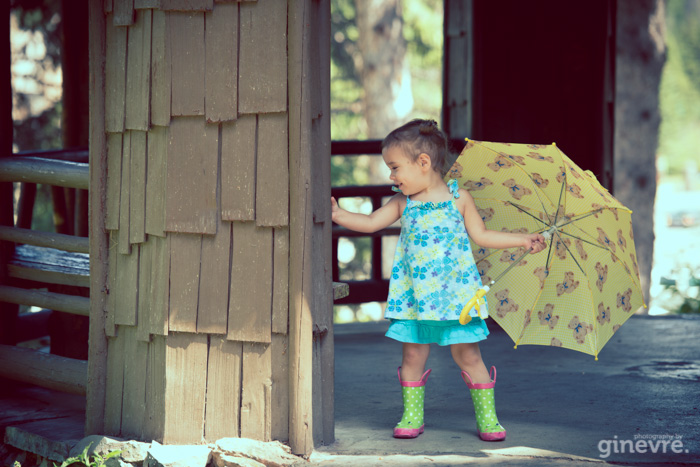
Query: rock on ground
[(270, 454)]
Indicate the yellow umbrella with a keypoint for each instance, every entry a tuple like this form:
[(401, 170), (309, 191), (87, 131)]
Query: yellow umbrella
[(579, 291)]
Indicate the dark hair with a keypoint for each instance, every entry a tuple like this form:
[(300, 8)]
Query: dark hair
[(420, 136)]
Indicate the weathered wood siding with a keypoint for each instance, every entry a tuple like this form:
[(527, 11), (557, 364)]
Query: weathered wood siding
[(198, 209)]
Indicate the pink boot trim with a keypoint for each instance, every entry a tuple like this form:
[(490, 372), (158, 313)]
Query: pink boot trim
[(492, 374), (414, 384), (408, 432)]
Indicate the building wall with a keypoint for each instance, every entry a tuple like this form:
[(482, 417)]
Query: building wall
[(210, 125)]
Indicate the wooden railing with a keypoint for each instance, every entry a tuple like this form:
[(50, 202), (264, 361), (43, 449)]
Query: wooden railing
[(376, 288), (39, 258)]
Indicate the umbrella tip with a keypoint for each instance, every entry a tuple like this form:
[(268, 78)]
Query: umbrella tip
[(554, 143)]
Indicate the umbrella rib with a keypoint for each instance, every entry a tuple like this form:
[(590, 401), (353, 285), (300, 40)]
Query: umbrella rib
[(629, 273), (582, 216), (598, 245), (529, 214), (561, 194), (570, 253)]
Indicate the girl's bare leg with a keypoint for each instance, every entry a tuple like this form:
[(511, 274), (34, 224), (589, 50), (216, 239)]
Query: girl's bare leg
[(468, 357), (413, 361)]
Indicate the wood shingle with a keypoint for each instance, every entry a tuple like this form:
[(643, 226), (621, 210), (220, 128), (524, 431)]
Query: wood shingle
[(192, 168), (161, 82), (114, 178), (156, 181), (272, 174), (221, 96), (124, 209), (123, 12), (238, 146), (115, 77), (250, 302), (212, 310), (185, 259), (262, 78), (223, 389), (137, 188), (187, 56), (138, 73)]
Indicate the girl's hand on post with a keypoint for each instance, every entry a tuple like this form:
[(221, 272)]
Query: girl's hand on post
[(334, 209)]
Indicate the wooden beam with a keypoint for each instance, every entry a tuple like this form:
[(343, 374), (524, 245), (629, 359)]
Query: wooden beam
[(43, 369), (30, 272), (45, 239), (46, 171), (53, 301), (300, 228)]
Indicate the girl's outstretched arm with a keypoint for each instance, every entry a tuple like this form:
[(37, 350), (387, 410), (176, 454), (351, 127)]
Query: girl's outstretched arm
[(379, 219), (493, 238)]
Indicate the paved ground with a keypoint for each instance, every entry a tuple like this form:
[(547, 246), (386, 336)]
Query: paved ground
[(560, 407)]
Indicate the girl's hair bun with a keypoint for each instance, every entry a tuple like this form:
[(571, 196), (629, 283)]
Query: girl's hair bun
[(427, 127)]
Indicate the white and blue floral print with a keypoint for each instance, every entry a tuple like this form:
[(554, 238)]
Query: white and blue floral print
[(434, 273)]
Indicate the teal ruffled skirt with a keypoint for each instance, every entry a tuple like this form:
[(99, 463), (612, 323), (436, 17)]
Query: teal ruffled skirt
[(437, 332)]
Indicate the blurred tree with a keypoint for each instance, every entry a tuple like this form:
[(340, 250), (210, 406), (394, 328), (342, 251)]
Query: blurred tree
[(36, 62), (679, 138), (386, 65)]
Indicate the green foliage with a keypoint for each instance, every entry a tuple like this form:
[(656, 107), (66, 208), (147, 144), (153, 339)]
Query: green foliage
[(683, 19), (679, 138), (683, 298), (88, 460)]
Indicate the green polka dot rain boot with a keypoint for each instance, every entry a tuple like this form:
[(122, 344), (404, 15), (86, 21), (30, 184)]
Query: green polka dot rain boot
[(411, 424), (485, 408)]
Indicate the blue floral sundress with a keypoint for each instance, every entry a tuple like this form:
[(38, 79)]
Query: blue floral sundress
[(433, 276)]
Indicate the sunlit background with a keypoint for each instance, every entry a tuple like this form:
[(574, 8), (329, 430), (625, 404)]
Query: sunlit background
[(416, 92)]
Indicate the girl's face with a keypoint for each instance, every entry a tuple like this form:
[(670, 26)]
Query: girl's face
[(410, 177)]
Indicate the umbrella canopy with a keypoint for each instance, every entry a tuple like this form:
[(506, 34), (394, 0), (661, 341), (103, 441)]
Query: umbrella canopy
[(580, 290)]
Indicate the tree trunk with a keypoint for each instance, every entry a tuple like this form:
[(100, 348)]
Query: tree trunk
[(382, 65), (641, 53)]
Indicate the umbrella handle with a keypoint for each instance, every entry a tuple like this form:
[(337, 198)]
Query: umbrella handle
[(475, 302)]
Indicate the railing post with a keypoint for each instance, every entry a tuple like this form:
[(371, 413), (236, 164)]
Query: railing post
[(8, 311)]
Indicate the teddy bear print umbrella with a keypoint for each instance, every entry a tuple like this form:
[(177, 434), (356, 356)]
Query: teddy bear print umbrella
[(580, 290)]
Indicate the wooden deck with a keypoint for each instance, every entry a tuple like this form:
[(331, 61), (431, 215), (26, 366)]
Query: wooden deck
[(41, 421)]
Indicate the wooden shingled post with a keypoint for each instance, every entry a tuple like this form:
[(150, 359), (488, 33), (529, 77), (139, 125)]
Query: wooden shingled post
[(212, 231)]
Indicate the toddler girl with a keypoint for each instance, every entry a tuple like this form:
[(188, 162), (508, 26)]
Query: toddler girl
[(434, 274)]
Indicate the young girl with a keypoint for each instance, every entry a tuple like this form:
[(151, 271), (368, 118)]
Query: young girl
[(434, 274)]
